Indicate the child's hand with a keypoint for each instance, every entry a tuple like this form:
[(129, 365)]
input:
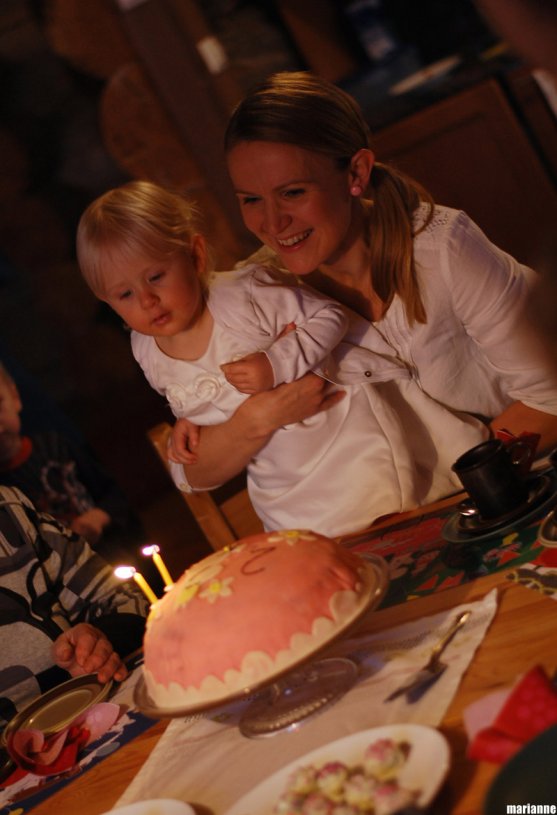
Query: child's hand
[(286, 330), (183, 442), (252, 374), (84, 649), (90, 524)]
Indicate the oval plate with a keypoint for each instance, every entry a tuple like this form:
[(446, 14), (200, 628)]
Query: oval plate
[(155, 806), (425, 769)]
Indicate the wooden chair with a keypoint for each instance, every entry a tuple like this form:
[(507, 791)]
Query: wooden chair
[(224, 515)]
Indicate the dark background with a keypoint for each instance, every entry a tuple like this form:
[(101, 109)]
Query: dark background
[(61, 64)]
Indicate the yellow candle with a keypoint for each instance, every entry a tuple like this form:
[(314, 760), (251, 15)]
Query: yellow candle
[(154, 551), (127, 572)]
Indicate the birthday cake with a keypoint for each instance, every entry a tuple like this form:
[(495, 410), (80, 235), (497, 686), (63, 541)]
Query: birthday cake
[(247, 613)]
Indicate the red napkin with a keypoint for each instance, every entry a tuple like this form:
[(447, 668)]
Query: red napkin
[(52, 755), (512, 718), (48, 756)]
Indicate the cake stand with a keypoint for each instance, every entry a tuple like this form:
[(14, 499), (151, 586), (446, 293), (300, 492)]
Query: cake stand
[(290, 696), (298, 696)]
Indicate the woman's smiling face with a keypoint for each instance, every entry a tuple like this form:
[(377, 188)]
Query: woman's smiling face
[(297, 202)]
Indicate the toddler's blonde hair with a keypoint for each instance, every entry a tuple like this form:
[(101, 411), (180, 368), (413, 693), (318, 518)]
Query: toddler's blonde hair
[(139, 216)]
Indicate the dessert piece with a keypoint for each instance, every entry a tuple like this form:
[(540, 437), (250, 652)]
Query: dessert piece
[(331, 778), (360, 789), (248, 613), (290, 803), (303, 780), (317, 804), (345, 809), (390, 797), (384, 758)]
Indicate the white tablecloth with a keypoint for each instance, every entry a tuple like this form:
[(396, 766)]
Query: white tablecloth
[(210, 764)]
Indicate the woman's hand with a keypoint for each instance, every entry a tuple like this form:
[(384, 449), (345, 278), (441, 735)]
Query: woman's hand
[(84, 649), (518, 417), (226, 449), (289, 403)]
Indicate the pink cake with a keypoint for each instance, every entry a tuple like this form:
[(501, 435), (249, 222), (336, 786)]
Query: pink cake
[(242, 615)]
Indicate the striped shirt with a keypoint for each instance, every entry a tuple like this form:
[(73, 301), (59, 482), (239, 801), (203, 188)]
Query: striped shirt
[(50, 580)]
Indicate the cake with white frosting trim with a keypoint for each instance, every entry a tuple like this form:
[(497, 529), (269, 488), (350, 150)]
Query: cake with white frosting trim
[(249, 612)]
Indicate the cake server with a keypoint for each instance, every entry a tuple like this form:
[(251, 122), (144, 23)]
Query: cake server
[(434, 667)]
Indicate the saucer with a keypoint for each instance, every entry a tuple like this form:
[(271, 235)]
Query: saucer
[(547, 534), (537, 490), (541, 497)]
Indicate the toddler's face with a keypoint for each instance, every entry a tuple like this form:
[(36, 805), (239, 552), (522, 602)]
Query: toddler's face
[(153, 297), (10, 424)]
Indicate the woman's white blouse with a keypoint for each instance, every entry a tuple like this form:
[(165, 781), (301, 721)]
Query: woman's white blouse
[(477, 352)]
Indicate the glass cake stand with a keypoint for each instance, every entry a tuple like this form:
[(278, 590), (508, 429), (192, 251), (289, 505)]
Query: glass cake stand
[(283, 701), (299, 696)]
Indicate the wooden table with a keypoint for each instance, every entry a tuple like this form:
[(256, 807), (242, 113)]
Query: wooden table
[(522, 634)]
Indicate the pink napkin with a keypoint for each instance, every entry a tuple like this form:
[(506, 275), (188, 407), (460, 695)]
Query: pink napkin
[(50, 755), (499, 724)]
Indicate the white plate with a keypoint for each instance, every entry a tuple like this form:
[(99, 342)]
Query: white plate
[(425, 769), (156, 806)]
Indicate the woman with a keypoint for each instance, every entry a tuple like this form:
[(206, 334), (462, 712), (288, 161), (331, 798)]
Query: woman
[(446, 300)]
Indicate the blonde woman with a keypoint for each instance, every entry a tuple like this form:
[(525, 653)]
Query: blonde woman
[(445, 300)]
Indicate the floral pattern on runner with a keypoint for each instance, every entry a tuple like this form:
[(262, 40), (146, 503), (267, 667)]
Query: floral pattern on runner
[(421, 561)]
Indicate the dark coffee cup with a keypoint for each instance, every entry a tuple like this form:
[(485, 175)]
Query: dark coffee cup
[(490, 474)]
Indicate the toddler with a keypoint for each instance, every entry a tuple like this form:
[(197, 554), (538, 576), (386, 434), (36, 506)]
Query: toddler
[(206, 342)]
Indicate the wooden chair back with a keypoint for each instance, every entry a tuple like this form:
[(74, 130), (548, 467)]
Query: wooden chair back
[(224, 515)]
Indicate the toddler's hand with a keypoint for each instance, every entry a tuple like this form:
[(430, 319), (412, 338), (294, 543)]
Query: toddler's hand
[(90, 524), (286, 330), (252, 374), (183, 442)]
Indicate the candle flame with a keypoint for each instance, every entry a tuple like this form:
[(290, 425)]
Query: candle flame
[(124, 572), (154, 551)]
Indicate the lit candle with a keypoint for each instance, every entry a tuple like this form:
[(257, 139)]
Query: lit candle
[(154, 551), (127, 572)]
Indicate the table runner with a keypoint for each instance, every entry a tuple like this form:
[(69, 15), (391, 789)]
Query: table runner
[(421, 561), (210, 764)]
